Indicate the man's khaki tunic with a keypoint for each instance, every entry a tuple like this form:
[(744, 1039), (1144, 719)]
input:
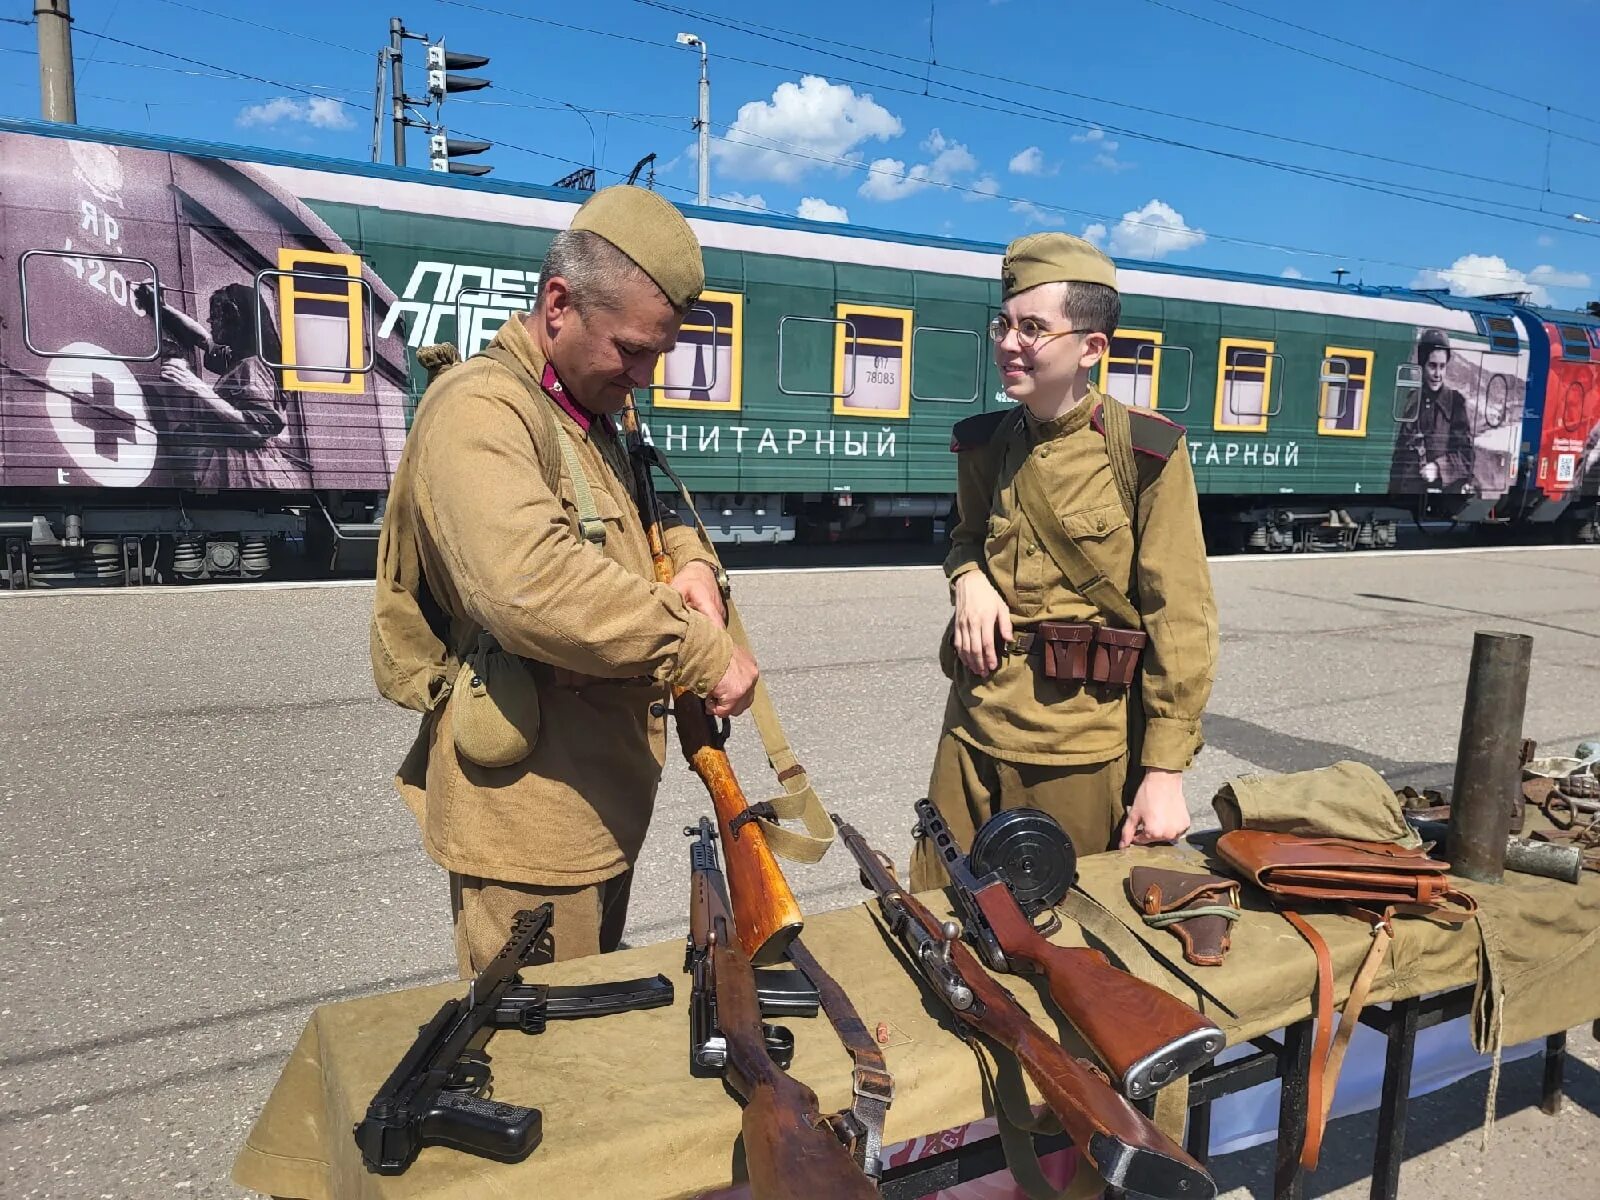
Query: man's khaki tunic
[(1017, 738), (501, 553)]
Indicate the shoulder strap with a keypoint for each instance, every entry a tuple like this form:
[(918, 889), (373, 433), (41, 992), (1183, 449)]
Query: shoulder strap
[(590, 526), (1082, 574)]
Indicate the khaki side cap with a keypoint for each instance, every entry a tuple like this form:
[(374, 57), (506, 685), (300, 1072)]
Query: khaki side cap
[(1053, 258), (653, 234)]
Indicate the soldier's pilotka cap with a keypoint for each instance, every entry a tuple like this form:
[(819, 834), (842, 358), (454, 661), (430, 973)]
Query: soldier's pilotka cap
[(1053, 258), (653, 234)]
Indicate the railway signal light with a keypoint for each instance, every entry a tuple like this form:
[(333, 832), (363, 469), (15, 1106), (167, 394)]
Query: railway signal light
[(442, 148), (442, 62)]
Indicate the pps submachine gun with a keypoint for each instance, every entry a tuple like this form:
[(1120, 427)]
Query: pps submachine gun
[(791, 1151), (438, 1095), (1117, 1139), (1020, 866)]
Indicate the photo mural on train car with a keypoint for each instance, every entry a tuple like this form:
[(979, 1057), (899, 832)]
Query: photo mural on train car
[(184, 322), (1457, 422)]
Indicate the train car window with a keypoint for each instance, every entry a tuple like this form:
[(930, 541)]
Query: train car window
[(1574, 343), (93, 306), (947, 363), (324, 318), (872, 348), (804, 351), (1501, 332), (1346, 385), (1244, 385), (1131, 369), (705, 369), (481, 311), (1407, 393)]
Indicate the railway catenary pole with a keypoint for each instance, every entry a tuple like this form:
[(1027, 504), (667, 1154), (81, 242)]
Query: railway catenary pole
[(58, 94), (397, 89), (377, 106)]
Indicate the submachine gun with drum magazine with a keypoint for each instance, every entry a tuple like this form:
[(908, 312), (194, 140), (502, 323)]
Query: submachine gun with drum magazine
[(1020, 866), (439, 1094), (1119, 1141)]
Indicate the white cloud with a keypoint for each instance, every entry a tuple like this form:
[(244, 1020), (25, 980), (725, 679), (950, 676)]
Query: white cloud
[(1105, 148), (813, 208), (1095, 233), (815, 117), (322, 112), (1484, 274), (1032, 214), (747, 202), (891, 179), (1154, 231), (986, 188), (1545, 241), (1292, 273), (1030, 162)]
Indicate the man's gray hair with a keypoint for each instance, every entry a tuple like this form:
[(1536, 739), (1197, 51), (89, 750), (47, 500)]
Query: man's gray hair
[(596, 271)]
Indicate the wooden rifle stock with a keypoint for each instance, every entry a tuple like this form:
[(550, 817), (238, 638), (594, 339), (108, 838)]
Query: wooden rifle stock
[(768, 915), (1126, 1149), (1145, 1036), (790, 1153)]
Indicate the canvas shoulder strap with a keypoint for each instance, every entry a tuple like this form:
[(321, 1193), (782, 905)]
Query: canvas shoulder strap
[(590, 527)]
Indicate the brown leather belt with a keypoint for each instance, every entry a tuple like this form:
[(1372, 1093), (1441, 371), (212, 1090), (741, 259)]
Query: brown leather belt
[(1078, 651)]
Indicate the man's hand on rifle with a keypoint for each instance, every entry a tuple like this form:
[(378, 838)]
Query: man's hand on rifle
[(737, 687), (696, 583)]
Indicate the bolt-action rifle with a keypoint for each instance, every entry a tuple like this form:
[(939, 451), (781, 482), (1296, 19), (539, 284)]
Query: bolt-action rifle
[(769, 916), (791, 1151), (1117, 1139), (1020, 865)]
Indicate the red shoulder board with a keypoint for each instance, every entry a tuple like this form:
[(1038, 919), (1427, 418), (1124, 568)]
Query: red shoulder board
[(976, 432), (1153, 434)]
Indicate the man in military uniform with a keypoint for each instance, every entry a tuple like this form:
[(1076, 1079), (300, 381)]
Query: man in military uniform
[(1434, 452), (517, 607), (1079, 539)]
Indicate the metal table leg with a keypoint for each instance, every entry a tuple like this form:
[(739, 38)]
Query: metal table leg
[(1555, 1061), (1289, 1181), (1401, 1032)]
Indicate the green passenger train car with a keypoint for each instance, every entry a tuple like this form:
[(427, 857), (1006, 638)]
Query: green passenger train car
[(809, 397)]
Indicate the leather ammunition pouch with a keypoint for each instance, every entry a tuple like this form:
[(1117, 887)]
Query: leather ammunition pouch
[(1074, 651)]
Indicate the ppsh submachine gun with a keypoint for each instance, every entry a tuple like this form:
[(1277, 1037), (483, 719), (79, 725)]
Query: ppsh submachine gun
[(1020, 866), (792, 1151), (439, 1095), (1118, 1140)]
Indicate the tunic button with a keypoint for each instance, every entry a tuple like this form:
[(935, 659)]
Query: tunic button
[(1100, 524), (1045, 452), (1032, 549)]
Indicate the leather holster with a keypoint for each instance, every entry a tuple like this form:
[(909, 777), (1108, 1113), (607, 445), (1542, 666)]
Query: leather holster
[(1162, 898)]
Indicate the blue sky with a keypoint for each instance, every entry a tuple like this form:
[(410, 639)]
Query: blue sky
[(1194, 131)]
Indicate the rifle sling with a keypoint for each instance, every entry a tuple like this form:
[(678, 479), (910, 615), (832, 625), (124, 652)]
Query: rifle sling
[(799, 801), (870, 1080)]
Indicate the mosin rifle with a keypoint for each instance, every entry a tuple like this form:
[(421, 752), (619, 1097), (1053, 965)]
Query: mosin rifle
[(1020, 866), (791, 1151), (1117, 1139), (769, 916), (438, 1093)]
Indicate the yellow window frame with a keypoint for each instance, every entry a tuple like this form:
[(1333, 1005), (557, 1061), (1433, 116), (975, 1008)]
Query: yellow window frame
[(735, 400), (841, 338), (1349, 355), (1268, 349), (1147, 336), (291, 258)]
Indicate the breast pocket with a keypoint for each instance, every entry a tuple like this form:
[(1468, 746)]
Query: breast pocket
[(1105, 537)]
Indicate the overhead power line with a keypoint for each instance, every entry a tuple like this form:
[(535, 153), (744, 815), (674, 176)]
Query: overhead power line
[(1344, 64)]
